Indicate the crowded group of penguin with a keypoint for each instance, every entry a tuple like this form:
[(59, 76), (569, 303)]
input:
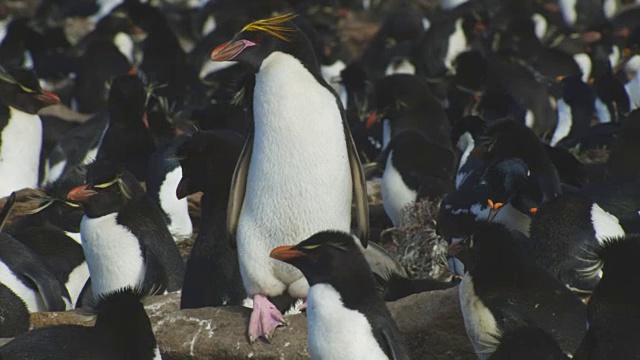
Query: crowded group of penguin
[(519, 116)]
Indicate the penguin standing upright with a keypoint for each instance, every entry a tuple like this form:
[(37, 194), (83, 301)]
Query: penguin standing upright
[(299, 169), (125, 239), (20, 129), (346, 317), (212, 276)]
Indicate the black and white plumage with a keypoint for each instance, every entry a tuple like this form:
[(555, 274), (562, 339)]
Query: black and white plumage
[(613, 307), (21, 97), (346, 317), (125, 239), (122, 331), (27, 275), (565, 230), (163, 179), (52, 231), (503, 291), (275, 162)]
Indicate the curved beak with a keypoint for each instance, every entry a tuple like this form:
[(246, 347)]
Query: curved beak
[(48, 98), (229, 50), (80, 193), (284, 253)]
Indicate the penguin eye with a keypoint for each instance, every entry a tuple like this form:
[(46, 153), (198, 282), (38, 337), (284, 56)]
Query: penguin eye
[(258, 39)]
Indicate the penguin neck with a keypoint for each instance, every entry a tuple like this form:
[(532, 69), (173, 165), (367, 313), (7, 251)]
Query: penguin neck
[(20, 144)]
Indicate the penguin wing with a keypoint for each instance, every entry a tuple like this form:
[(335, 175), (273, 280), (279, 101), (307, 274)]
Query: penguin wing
[(25, 263), (239, 186), (359, 189), (542, 301), (387, 334), (155, 276)]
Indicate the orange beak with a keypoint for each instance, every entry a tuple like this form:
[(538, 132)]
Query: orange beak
[(284, 253), (48, 98), (494, 206), (373, 117), (559, 78), (80, 193), (533, 211), (229, 50)]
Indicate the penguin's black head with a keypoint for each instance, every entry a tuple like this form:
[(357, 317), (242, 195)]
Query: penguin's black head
[(256, 41), (505, 178), (473, 125), (208, 160), (108, 188), (127, 99), (20, 89), (617, 259), (326, 257), (491, 242), (54, 205)]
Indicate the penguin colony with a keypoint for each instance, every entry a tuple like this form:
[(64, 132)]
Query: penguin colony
[(519, 117)]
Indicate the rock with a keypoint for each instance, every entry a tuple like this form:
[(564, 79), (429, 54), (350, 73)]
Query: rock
[(433, 326), (431, 323)]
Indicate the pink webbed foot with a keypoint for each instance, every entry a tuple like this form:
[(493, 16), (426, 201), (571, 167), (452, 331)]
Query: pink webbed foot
[(265, 318)]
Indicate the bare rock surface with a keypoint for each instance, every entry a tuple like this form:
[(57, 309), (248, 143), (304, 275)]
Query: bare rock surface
[(431, 323)]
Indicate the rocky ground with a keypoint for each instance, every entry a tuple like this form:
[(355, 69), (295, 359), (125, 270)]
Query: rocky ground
[(431, 322)]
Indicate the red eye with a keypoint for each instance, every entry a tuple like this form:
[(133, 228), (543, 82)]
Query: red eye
[(258, 39)]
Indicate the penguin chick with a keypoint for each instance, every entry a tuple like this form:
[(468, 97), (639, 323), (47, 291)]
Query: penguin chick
[(502, 291), (346, 317), (613, 308), (122, 331), (125, 239)]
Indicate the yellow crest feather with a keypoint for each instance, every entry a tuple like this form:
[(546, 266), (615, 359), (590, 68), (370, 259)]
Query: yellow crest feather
[(275, 26)]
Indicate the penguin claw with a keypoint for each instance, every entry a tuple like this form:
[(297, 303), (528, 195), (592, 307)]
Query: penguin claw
[(265, 318)]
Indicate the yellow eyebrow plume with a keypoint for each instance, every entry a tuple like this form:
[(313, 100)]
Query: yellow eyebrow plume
[(274, 26)]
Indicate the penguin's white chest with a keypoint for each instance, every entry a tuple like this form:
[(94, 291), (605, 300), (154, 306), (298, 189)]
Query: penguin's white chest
[(479, 322), (299, 179), (396, 195), (336, 332), (31, 297), (180, 225), (112, 253), (20, 152)]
